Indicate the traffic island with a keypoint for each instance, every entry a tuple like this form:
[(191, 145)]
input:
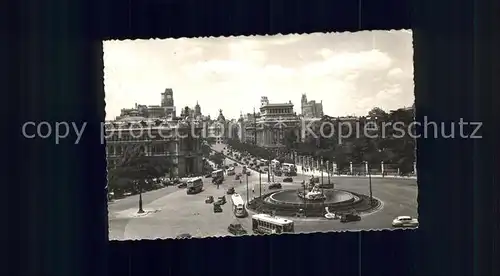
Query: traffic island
[(289, 203)]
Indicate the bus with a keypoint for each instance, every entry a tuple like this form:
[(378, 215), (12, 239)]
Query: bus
[(231, 171), (194, 185), (267, 224), (275, 164), (289, 169), (218, 174), (238, 206)]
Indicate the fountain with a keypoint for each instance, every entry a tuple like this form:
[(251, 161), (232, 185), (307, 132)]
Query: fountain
[(314, 194), (311, 201)]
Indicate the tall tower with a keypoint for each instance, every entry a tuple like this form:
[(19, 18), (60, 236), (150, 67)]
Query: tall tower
[(264, 101), (167, 98), (197, 110), (303, 103)]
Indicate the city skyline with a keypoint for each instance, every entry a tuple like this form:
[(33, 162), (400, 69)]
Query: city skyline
[(363, 70)]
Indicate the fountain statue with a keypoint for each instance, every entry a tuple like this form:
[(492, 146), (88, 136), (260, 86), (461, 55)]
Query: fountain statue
[(315, 194)]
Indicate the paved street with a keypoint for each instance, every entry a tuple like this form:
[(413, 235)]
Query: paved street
[(175, 212)]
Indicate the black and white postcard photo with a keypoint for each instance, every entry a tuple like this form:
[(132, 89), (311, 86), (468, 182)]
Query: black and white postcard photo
[(254, 135)]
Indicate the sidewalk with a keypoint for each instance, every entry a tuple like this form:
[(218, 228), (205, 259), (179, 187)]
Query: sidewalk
[(318, 173)]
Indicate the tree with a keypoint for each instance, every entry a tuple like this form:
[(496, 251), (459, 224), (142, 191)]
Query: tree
[(377, 112), (217, 158), (136, 166)]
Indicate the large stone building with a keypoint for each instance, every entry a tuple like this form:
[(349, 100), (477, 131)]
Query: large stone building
[(268, 127), (311, 109), (159, 134), (165, 110)]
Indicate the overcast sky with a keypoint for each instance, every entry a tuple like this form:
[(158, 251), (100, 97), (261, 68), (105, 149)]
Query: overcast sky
[(350, 72)]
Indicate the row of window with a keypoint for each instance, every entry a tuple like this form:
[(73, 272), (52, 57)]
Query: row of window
[(279, 111)]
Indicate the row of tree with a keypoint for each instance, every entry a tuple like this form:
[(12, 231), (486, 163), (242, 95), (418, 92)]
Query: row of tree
[(134, 172), (384, 142)]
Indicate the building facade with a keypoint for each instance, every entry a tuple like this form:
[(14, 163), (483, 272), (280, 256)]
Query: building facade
[(272, 123), (311, 109), (165, 110), (159, 134), (157, 139)]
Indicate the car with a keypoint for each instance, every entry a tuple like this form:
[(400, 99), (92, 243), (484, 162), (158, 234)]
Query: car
[(209, 200), (217, 181), (236, 229), (230, 191), (236, 177), (208, 175), (182, 185), (222, 200), (275, 185), (350, 218), (315, 179), (405, 221), (184, 236), (293, 173), (287, 179), (217, 208), (235, 164), (300, 213), (278, 173)]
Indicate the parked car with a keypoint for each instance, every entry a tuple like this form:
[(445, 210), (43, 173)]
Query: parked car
[(182, 185), (405, 221), (184, 236), (350, 218), (275, 185), (236, 229), (209, 200), (217, 208), (287, 179), (230, 191)]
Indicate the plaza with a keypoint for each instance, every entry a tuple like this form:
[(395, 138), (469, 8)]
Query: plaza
[(171, 212)]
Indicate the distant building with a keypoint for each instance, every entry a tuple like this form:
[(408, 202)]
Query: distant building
[(165, 110), (311, 109), (268, 127)]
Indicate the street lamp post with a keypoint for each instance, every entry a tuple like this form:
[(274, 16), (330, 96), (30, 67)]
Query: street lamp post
[(246, 177), (370, 183), (141, 211), (260, 184)]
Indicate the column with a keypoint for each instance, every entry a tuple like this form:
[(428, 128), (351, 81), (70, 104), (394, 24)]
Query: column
[(382, 168), (415, 168), (350, 167), (366, 167)]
